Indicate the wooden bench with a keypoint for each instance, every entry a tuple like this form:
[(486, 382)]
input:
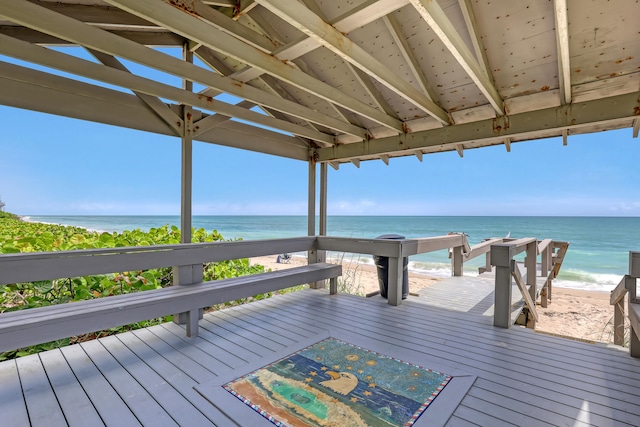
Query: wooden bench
[(37, 325)]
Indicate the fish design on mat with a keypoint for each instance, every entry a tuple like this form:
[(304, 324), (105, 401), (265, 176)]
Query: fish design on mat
[(341, 382)]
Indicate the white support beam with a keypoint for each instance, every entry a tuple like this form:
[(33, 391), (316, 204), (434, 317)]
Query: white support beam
[(199, 30), (472, 29), (363, 14), (419, 154), (313, 26), (614, 112), (460, 150), (334, 165), (68, 63), (385, 159), (562, 43), (507, 144), (60, 26), (186, 169), (636, 127), (433, 14), (356, 162)]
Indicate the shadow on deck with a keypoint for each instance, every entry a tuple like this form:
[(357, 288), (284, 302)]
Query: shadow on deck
[(147, 377)]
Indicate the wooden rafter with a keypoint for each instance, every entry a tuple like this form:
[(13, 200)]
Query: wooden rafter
[(323, 33), (562, 41), (472, 29), (41, 19), (433, 14), (201, 31), (64, 62)]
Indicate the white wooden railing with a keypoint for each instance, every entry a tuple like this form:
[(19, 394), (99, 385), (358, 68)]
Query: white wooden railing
[(627, 286), (187, 259), (501, 256)]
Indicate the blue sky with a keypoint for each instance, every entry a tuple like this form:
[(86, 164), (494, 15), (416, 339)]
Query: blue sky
[(54, 165), (58, 166)]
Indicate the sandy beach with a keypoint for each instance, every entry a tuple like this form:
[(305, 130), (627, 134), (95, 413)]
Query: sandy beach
[(584, 315)]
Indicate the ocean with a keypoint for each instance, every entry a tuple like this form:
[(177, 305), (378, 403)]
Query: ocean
[(597, 259)]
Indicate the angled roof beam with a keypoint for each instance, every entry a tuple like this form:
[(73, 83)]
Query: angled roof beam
[(401, 41), (562, 41), (636, 127), (199, 30), (385, 159), (618, 111), (472, 29), (60, 26), (433, 14), (356, 162), (419, 155), (460, 150), (61, 61), (361, 15), (312, 25), (507, 144), (162, 110)]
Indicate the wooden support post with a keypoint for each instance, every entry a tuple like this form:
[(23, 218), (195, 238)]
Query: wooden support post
[(333, 285), (457, 261), (501, 256), (618, 323), (396, 276), (324, 170), (634, 344), (188, 275), (530, 263)]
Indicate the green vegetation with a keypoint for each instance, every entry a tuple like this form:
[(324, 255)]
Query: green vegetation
[(17, 236)]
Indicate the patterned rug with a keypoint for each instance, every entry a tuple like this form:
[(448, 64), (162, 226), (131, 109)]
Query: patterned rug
[(334, 383)]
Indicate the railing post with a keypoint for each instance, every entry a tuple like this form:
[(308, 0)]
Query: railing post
[(187, 275), (501, 256), (530, 264), (456, 261), (487, 262), (618, 319)]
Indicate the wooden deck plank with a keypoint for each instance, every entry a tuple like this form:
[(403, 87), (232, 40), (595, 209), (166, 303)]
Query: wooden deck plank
[(183, 384), (12, 405), (42, 405), (76, 405), (146, 409), (221, 340), (173, 402), (112, 409), (524, 378)]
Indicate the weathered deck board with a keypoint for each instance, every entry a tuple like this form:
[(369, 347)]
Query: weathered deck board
[(147, 376)]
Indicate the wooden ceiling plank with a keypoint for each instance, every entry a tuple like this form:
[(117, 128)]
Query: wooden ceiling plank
[(315, 27), (198, 30), (432, 14), (61, 61), (60, 26), (562, 42)]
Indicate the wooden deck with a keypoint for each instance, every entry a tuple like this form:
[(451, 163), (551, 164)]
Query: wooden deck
[(147, 377)]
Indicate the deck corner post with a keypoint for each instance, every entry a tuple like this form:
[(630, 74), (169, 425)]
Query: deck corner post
[(501, 256)]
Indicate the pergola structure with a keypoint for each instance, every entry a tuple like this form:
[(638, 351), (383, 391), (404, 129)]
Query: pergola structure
[(332, 82), (327, 82)]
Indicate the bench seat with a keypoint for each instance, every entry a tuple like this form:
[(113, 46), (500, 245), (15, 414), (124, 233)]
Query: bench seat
[(37, 325)]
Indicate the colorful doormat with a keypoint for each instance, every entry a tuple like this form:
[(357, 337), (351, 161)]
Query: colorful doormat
[(334, 383)]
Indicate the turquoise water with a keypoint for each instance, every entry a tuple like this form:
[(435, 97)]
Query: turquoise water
[(598, 254)]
